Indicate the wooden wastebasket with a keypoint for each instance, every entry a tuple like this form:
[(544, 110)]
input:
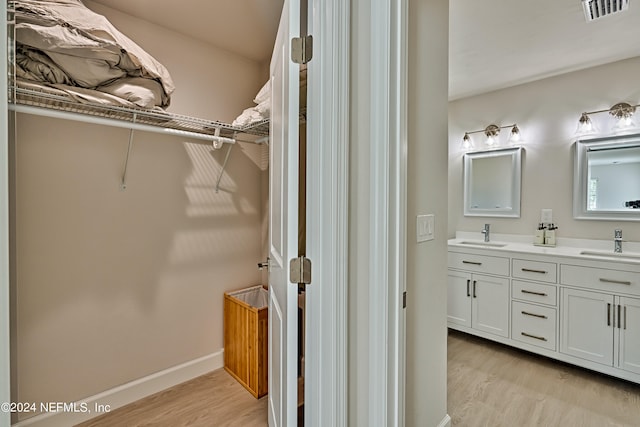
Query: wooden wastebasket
[(246, 338)]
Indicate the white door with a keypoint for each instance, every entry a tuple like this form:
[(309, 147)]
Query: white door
[(586, 329), (490, 304), (283, 223), (629, 327), (459, 298)]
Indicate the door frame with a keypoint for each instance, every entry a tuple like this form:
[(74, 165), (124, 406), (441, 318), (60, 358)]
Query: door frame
[(5, 367), (326, 370), (326, 361), (388, 205)]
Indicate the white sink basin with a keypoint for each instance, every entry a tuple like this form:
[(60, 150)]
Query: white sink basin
[(613, 255), (481, 243)]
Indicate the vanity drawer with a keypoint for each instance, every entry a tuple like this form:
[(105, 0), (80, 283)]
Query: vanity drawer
[(535, 270), (534, 292), (479, 263), (533, 324), (602, 279)]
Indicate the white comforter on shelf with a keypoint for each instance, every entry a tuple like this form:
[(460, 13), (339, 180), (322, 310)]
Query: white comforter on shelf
[(262, 110), (63, 44)]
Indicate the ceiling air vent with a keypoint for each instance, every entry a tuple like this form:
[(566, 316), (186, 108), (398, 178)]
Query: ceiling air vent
[(596, 9)]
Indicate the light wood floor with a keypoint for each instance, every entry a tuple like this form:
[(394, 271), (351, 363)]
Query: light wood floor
[(215, 399), (494, 385), (489, 385)]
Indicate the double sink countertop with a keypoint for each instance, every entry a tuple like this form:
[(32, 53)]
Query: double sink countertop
[(583, 249)]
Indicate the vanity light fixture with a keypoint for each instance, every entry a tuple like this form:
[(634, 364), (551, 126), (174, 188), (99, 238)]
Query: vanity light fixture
[(585, 126), (622, 112), (467, 144), (515, 134), (492, 132)]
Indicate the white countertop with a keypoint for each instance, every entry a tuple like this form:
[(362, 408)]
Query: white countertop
[(585, 249)]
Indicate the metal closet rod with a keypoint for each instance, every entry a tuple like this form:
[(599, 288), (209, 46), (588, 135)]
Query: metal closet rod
[(46, 112)]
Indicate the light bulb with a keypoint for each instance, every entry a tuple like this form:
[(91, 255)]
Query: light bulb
[(466, 142), (585, 126), (623, 113), (492, 132), (624, 123), (515, 135)]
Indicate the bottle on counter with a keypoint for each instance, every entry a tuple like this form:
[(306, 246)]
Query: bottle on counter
[(550, 235), (538, 237)]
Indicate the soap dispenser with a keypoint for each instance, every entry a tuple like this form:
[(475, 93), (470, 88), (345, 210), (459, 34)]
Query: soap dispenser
[(538, 238), (550, 235)]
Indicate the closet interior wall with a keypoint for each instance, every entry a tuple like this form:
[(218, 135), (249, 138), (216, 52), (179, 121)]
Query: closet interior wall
[(111, 285)]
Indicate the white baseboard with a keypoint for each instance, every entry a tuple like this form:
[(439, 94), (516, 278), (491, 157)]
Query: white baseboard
[(446, 421), (128, 393)]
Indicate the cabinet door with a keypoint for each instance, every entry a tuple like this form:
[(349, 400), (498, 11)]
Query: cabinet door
[(629, 344), (458, 298), (490, 304), (587, 325)]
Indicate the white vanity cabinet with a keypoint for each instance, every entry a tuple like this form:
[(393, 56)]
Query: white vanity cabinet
[(533, 305), (551, 301), (587, 328), (602, 327), (629, 335), (478, 298)]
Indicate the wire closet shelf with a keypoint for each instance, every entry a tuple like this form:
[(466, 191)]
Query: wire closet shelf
[(42, 98)]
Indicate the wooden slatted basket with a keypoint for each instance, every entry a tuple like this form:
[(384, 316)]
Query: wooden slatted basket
[(246, 338)]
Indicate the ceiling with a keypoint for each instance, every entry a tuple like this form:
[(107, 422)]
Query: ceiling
[(493, 43), (245, 27), (496, 43)]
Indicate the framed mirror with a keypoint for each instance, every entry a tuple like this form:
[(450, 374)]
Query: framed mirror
[(606, 184), (492, 183)]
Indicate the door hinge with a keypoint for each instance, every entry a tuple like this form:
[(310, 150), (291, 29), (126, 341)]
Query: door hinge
[(301, 49), (404, 299), (300, 270)]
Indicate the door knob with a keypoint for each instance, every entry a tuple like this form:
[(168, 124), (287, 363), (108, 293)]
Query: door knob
[(264, 264)]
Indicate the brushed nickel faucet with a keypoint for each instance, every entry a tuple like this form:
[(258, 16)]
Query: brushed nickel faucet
[(486, 232), (617, 241)]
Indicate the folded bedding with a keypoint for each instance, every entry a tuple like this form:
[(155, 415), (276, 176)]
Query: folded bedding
[(262, 110), (61, 43)]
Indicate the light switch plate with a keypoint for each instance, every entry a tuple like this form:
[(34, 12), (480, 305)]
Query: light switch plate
[(546, 216), (425, 227)]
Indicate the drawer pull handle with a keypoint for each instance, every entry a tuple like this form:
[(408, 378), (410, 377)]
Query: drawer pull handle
[(468, 294), (608, 314), (617, 282), (472, 262), (619, 318), (529, 270), (542, 294), (541, 316), (474, 289), (533, 336)]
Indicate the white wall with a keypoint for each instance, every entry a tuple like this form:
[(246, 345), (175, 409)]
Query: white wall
[(230, 81), (426, 193), (547, 113), (115, 285), (359, 202)]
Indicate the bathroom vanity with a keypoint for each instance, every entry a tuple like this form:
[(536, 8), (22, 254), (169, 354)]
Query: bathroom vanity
[(578, 302)]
